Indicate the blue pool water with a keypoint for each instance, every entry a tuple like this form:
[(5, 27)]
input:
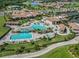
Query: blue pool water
[(39, 26), (20, 36)]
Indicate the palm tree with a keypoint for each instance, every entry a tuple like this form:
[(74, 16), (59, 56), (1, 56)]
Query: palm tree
[(32, 42), (19, 51), (22, 48)]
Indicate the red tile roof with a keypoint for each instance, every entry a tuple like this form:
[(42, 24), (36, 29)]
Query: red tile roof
[(53, 19), (23, 14), (73, 25), (62, 26)]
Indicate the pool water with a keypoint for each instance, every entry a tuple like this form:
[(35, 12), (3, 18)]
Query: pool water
[(21, 36), (38, 26)]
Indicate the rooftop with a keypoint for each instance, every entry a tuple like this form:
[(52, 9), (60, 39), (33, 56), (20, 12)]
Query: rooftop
[(62, 26), (53, 19), (23, 13), (73, 25)]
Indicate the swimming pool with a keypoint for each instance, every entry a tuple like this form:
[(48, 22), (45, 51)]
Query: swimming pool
[(21, 36), (38, 26)]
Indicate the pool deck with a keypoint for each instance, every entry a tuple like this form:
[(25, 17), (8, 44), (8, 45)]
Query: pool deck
[(36, 36)]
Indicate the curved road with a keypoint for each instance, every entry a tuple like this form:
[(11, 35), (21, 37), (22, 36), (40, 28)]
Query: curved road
[(46, 50)]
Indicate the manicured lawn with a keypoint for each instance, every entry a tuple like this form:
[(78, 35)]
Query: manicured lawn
[(3, 30), (2, 21), (61, 52)]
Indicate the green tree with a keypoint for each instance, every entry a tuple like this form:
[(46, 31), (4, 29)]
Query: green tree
[(19, 51), (2, 48), (37, 47), (28, 50), (22, 48)]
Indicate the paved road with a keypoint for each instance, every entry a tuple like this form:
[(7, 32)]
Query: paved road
[(44, 51)]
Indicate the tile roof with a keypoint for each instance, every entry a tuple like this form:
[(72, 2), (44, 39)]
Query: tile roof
[(23, 14), (47, 22), (62, 26), (53, 19), (73, 25)]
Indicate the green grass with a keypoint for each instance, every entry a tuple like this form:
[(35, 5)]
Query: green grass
[(57, 38), (3, 29), (61, 52), (74, 49), (2, 21)]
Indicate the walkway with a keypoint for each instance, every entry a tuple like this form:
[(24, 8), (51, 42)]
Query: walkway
[(46, 50)]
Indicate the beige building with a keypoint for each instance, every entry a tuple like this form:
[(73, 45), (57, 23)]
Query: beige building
[(74, 26), (23, 14), (62, 28)]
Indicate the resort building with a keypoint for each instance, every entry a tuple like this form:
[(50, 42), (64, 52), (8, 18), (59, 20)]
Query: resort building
[(63, 16), (23, 14), (74, 26), (54, 20), (62, 28), (47, 22)]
